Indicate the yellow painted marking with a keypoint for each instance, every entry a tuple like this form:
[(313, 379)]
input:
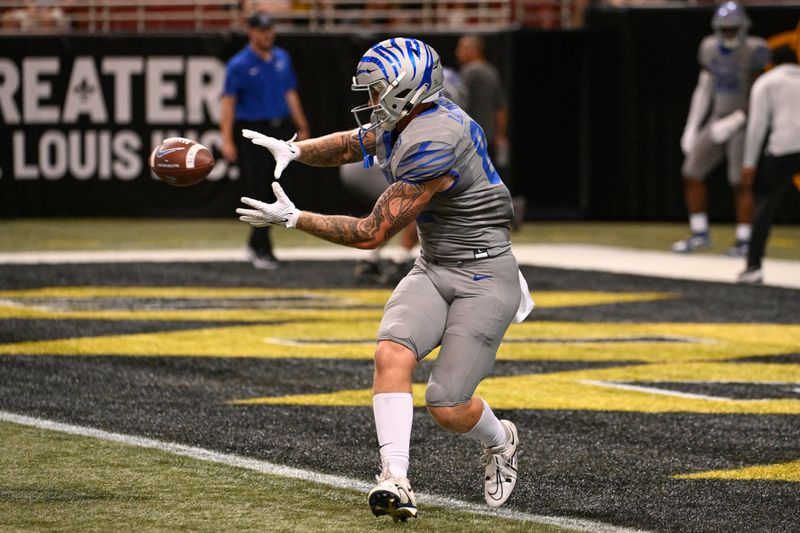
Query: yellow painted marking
[(195, 315), (716, 341), (565, 391), (777, 472), (682, 353), (311, 304)]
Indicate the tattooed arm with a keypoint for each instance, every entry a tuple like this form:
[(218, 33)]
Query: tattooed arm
[(335, 149), (397, 206)]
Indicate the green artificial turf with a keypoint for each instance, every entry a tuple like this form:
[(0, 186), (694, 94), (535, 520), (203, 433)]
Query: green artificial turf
[(148, 234), (58, 482)]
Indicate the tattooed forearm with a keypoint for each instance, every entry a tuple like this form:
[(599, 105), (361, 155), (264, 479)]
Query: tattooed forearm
[(335, 149), (339, 229), (396, 207)]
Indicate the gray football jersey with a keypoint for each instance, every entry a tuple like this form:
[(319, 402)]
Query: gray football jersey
[(733, 71), (472, 218)]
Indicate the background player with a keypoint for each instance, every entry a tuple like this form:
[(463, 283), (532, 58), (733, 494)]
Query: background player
[(464, 289), (260, 93), (730, 60)]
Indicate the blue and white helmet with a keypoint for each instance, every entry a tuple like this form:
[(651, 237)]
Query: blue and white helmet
[(398, 73), (730, 23)]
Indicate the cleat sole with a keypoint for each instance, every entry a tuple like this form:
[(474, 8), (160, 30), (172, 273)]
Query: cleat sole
[(385, 503)]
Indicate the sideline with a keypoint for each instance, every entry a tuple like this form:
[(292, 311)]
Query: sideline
[(701, 267), (296, 473)]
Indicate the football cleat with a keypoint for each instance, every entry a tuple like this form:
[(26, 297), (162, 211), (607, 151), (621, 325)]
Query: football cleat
[(501, 468), (739, 249), (753, 276), (695, 241), (392, 496), (262, 260), (368, 271)]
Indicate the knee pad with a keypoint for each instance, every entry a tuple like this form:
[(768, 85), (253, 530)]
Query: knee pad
[(440, 391), (400, 333)]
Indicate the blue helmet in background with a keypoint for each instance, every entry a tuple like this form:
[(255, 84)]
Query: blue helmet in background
[(730, 24)]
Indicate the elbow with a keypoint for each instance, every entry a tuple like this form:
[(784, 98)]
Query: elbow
[(370, 244)]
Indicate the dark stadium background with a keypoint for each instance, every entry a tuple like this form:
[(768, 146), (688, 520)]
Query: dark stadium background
[(596, 115)]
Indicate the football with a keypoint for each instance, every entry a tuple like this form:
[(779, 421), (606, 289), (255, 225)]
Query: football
[(181, 162)]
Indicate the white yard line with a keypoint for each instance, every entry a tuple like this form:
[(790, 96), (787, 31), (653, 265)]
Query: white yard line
[(702, 267), (296, 473), (655, 390)]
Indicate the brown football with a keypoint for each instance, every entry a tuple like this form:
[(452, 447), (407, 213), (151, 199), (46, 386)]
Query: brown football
[(181, 162)]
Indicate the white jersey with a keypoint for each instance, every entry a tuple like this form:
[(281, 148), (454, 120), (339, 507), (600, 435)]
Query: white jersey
[(471, 219), (774, 107)]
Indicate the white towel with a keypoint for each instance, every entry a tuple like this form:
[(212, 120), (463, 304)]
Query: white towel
[(525, 301)]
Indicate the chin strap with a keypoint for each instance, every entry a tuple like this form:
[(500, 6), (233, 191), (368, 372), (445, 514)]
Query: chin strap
[(368, 159)]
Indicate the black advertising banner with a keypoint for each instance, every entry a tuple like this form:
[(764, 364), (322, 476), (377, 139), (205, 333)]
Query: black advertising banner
[(80, 116)]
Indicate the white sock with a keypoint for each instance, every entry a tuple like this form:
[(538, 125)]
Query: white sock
[(405, 255), (374, 255), (489, 430), (394, 413), (743, 232), (698, 222)]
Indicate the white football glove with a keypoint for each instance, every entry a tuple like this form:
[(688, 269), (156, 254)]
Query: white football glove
[(281, 213), (688, 139), (284, 152), (722, 129)]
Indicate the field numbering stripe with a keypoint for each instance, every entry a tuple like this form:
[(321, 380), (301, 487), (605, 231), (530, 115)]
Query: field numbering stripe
[(296, 473)]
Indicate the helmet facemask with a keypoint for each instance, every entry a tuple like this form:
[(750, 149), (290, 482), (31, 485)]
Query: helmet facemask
[(374, 113)]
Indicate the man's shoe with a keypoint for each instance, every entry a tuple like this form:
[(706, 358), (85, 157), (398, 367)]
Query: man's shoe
[(752, 275), (695, 241), (395, 271), (369, 271), (262, 260), (501, 468), (520, 204), (392, 496), (739, 249)]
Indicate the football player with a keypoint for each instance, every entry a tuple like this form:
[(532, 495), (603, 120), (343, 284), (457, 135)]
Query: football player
[(730, 60), (465, 287)]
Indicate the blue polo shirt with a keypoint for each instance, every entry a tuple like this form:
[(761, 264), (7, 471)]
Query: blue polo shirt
[(260, 86)]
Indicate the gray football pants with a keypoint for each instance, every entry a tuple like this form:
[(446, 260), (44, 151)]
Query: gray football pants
[(706, 155), (466, 308)]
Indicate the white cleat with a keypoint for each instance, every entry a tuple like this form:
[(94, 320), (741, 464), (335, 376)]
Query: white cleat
[(752, 276), (392, 496), (501, 468), (696, 241)]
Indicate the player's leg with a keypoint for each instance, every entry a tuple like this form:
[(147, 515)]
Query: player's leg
[(254, 171), (743, 195), (773, 182), (477, 321), (400, 265), (411, 327), (366, 184), (701, 160)]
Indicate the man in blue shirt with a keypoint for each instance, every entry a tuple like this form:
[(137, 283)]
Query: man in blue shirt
[(260, 94)]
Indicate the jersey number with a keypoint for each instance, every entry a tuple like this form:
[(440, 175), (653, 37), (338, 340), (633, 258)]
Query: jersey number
[(479, 140)]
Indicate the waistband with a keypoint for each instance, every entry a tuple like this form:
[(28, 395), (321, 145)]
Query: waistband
[(478, 254)]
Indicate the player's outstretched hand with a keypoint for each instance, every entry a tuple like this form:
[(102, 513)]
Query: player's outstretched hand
[(284, 152), (281, 213)]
